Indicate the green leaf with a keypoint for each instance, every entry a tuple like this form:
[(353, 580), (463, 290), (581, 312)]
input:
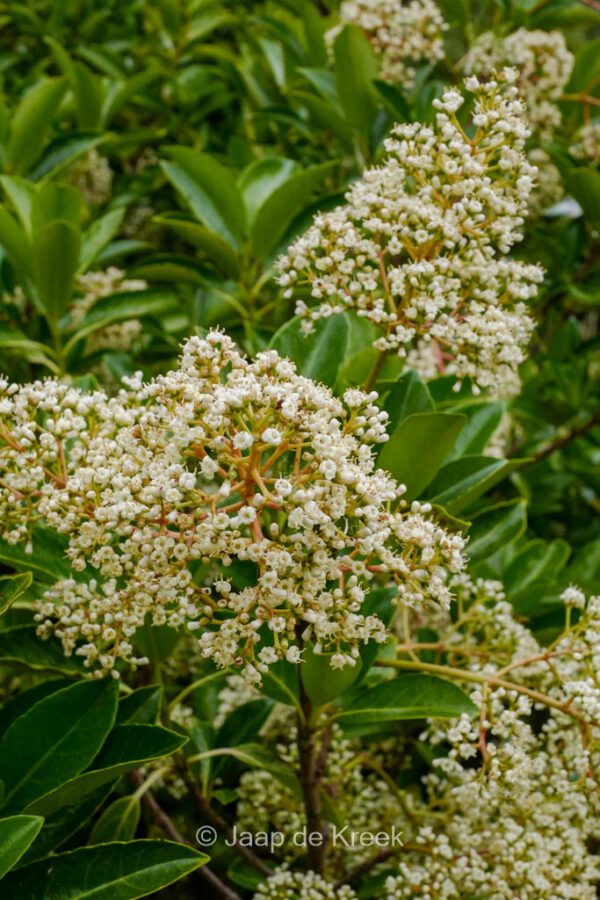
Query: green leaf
[(459, 483), (24, 700), (89, 95), (17, 342), (127, 748), (47, 557), (105, 872), (584, 569), (483, 419), (281, 683), (55, 202), (123, 90), (584, 184), (326, 114), (318, 355), (11, 588), (418, 447), (211, 245), (357, 367), (122, 306), (355, 69), (495, 528), (22, 645), (14, 241), (55, 260), (407, 396), (537, 559), (276, 214), (118, 822), (62, 152), (322, 683), (17, 833), (55, 740), (98, 236), (412, 696), (60, 826), (261, 178), (314, 32), (141, 707), (210, 191), (170, 268), (30, 123), (21, 193), (256, 756)]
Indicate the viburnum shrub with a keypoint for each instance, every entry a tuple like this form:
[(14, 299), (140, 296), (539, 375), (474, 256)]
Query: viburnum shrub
[(299, 441)]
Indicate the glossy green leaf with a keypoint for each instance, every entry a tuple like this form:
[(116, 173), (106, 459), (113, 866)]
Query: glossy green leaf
[(211, 245), (118, 822), (122, 306), (127, 748), (16, 835), (141, 707), (276, 214), (62, 152), (21, 193), (126, 89), (14, 241), (261, 178), (537, 559), (418, 448), (584, 184), (281, 683), (258, 757), (55, 261), (407, 396), (55, 740), (318, 355), (98, 236), (46, 558), (459, 483), (22, 645), (64, 823), (411, 696), (483, 420), (167, 268), (321, 682), (89, 96), (495, 528), (105, 872), (30, 123), (11, 588), (25, 699), (356, 68), (55, 203), (584, 569), (210, 191)]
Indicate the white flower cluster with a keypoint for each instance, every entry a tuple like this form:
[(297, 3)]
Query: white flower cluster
[(232, 695), (226, 462), (286, 885), (402, 34), (549, 188), (362, 798), (513, 795), (93, 177), (418, 248), (543, 61), (586, 144), (92, 286)]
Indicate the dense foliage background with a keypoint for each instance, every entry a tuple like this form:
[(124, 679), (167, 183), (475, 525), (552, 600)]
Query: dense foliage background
[(158, 160)]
